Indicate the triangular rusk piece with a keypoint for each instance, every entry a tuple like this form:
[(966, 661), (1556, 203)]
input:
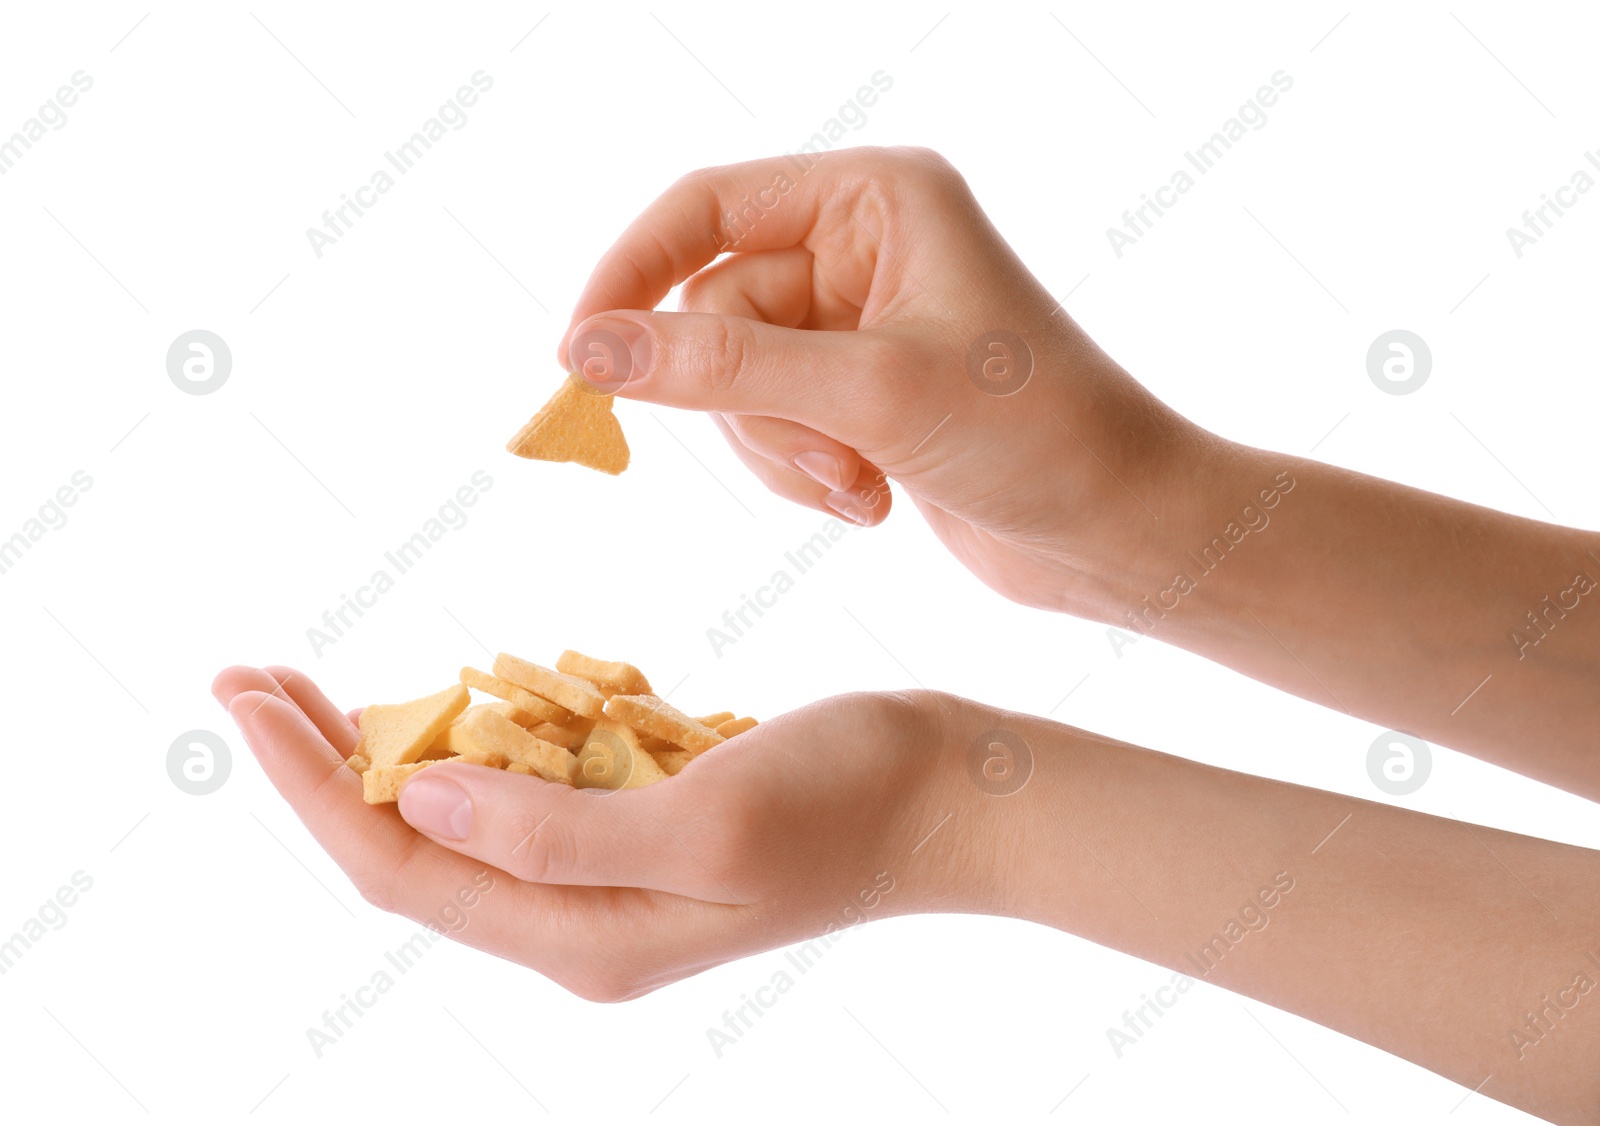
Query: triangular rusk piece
[(575, 425), (399, 734)]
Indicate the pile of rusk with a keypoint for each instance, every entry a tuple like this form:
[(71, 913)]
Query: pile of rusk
[(586, 723)]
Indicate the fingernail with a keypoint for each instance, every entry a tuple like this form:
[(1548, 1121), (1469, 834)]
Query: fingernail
[(610, 351), (437, 806), (821, 468), (849, 506)]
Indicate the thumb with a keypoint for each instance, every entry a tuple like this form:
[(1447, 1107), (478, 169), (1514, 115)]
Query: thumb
[(844, 384), (548, 833)]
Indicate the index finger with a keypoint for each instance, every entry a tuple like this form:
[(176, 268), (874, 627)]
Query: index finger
[(768, 204)]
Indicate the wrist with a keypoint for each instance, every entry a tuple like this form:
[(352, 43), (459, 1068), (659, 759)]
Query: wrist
[(1038, 820), (960, 842), (1136, 479), (1201, 497)]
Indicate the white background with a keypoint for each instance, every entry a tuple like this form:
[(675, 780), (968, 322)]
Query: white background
[(369, 384)]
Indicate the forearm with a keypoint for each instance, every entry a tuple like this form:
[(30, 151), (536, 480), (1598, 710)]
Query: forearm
[(1428, 938), (1461, 625)]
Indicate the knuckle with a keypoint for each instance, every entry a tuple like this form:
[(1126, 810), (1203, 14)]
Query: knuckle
[(932, 161), (722, 355), (541, 851), (929, 164), (697, 176), (694, 295), (915, 711), (926, 174), (700, 184)]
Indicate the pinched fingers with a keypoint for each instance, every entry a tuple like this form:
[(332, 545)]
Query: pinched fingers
[(816, 202)]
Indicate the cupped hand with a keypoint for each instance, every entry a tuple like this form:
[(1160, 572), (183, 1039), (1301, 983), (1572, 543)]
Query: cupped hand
[(867, 324), (805, 825)]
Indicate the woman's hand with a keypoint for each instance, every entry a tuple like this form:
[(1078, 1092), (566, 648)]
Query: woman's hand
[(870, 322), (807, 824), (866, 806)]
